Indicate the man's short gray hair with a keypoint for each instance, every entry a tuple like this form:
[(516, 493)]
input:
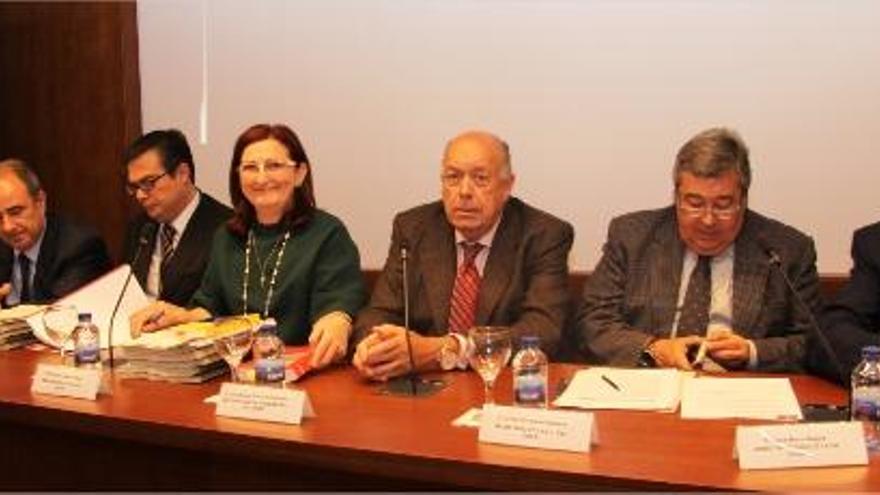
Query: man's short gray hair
[(27, 176), (712, 153)]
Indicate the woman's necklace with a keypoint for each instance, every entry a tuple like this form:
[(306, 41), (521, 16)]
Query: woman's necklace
[(263, 263), (247, 272)]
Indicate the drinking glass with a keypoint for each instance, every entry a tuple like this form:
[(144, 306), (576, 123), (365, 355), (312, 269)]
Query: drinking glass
[(59, 320), (232, 348), (489, 351)]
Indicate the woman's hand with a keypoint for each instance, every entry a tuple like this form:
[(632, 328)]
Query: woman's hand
[(329, 338), (161, 314)]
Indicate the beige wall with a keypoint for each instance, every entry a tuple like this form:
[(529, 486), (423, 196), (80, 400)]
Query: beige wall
[(593, 97)]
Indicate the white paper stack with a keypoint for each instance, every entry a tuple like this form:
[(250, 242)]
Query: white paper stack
[(616, 388), (744, 398), (182, 354), (15, 331)]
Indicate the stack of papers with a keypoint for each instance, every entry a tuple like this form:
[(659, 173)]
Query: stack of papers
[(181, 354), (742, 398), (616, 388), (15, 331)]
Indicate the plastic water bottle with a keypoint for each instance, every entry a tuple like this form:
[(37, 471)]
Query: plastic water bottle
[(530, 374), (865, 405), (86, 342), (268, 354)]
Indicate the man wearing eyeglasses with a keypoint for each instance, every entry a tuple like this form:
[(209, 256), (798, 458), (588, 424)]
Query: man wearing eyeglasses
[(478, 257), (43, 256), (160, 175), (693, 283)]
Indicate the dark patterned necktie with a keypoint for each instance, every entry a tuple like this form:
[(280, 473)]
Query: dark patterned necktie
[(166, 240), (24, 266), (695, 312), (466, 292)]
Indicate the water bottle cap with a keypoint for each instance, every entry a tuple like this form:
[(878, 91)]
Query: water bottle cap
[(85, 317), (870, 352), (529, 340)]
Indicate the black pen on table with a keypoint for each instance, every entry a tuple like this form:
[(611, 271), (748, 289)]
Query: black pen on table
[(609, 381)]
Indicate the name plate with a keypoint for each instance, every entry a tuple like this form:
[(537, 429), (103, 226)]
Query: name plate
[(800, 445), (278, 405), (553, 429), (66, 381)]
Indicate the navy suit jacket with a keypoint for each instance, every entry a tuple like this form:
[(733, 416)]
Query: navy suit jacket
[(852, 319), (71, 255), (182, 275)]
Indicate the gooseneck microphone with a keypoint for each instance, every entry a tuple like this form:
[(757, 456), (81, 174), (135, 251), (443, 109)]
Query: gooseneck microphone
[(776, 262), (411, 384), (404, 261), (147, 233)]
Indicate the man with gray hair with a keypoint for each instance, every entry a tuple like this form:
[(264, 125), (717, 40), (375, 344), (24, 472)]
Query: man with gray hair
[(694, 283), (478, 257), (43, 256)]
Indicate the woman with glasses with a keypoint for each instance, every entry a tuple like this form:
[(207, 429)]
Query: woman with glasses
[(279, 256)]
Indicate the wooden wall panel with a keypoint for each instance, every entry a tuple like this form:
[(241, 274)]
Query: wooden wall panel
[(70, 102)]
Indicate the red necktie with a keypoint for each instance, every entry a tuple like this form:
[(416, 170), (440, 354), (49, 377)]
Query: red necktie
[(463, 305)]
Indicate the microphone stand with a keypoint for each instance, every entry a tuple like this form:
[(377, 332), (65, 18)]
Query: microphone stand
[(146, 232), (418, 387), (824, 411)]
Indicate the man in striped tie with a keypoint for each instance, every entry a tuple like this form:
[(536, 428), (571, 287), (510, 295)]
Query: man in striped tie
[(478, 257)]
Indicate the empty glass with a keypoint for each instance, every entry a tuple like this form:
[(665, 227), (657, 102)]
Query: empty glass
[(59, 321), (490, 349), (232, 348)]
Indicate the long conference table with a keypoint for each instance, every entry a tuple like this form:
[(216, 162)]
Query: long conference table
[(162, 436)]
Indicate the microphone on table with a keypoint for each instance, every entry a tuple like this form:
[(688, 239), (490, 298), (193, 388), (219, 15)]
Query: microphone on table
[(820, 411), (148, 231), (410, 384)]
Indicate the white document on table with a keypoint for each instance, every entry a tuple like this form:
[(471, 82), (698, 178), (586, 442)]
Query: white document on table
[(743, 398), (99, 297), (617, 388)]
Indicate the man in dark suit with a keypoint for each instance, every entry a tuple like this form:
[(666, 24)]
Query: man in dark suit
[(176, 227), (43, 257), (479, 257), (852, 319), (696, 278)]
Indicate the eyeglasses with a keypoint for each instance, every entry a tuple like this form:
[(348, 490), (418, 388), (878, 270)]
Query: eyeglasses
[(147, 184), (453, 178), (268, 167), (725, 212)]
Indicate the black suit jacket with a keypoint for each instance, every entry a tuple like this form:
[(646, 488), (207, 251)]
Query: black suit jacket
[(71, 255), (524, 284), (852, 319), (182, 275), (632, 294)]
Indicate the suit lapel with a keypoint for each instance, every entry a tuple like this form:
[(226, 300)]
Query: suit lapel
[(45, 260), (146, 255), (438, 255), (502, 257), (665, 275), (750, 271)]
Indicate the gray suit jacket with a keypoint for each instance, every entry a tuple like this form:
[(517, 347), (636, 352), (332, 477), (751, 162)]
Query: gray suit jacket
[(633, 292), (525, 281)]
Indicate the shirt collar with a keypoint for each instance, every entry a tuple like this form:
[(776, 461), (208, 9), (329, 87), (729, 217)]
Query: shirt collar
[(34, 251), (486, 239), (181, 221)]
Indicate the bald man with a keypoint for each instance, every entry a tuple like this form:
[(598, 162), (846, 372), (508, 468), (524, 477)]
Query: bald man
[(478, 257), (43, 256)]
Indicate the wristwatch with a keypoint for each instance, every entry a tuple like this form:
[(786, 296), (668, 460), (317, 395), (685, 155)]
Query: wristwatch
[(448, 357)]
